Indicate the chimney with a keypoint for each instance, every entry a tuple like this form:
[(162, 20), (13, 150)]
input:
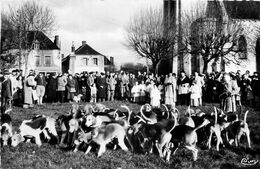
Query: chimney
[(84, 43), (72, 47), (57, 41), (112, 60)]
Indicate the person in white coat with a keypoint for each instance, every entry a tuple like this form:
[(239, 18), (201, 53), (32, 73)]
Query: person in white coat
[(195, 93), (170, 90), (155, 95), (135, 92), (142, 88)]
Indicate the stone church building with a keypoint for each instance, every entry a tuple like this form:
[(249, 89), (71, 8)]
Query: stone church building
[(245, 12)]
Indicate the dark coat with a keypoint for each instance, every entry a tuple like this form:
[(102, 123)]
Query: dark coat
[(6, 91), (101, 87), (183, 81), (51, 88), (40, 80), (71, 83), (132, 82)]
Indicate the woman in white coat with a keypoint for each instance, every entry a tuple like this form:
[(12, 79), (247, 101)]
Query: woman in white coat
[(155, 95), (170, 90), (28, 90)]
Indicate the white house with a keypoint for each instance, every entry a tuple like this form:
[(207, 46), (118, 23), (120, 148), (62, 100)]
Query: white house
[(86, 59), (44, 55)]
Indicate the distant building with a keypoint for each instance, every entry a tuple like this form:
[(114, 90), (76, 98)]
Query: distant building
[(247, 12), (44, 55), (86, 59)]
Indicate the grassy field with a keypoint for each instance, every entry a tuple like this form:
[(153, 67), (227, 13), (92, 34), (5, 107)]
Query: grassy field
[(28, 155)]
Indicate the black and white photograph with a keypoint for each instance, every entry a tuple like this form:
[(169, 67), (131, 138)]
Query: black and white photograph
[(130, 84)]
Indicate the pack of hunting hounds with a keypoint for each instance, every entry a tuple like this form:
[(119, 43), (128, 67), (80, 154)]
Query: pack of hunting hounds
[(151, 130)]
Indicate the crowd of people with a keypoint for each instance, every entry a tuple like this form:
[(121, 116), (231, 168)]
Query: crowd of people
[(228, 89)]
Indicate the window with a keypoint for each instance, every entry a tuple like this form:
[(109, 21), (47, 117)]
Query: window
[(36, 45), (95, 61), (85, 61), (242, 47), (37, 60), (47, 61)]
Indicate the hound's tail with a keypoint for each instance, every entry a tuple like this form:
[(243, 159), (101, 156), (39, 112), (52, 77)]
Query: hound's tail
[(205, 122), (188, 110), (129, 112), (143, 116), (175, 123), (115, 115), (216, 115), (245, 117), (8, 110), (175, 110), (167, 110)]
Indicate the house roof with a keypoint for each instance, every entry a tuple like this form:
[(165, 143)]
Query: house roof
[(45, 42), (86, 50), (234, 9)]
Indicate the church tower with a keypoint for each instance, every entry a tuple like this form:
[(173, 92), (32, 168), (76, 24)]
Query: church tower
[(172, 15)]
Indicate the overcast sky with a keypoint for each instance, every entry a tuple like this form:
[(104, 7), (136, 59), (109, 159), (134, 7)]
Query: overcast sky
[(100, 23)]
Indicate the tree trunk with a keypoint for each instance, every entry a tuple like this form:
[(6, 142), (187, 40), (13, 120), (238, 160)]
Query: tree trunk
[(205, 67), (155, 67)]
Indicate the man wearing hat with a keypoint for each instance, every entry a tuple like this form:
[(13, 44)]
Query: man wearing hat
[(101, 87), (6, 92)]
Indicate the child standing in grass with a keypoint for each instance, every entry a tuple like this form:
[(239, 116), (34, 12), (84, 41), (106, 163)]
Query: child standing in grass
[(135, 92), (93, 93), (155, 95), (194, 94), (142, 92)]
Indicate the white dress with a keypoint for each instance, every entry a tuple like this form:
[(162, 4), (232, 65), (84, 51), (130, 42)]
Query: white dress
[(155, 96), (135, 91), (195, 91), (170, 90)]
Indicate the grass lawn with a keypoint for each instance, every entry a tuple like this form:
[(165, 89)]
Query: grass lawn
[(28, 155)]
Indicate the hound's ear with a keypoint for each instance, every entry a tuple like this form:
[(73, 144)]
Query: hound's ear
[(38, 123), (21, 138)]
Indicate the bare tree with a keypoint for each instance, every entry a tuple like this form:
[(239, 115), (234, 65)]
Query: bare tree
[(7, 58), (27, 21), (212, 43), (215, 39), (150, 37), (212, 38)]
